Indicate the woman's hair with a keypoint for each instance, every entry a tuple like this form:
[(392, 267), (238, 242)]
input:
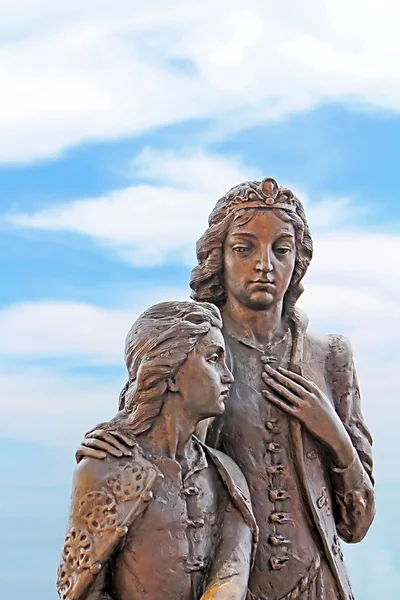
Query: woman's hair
[(156, 347), (238, 207)]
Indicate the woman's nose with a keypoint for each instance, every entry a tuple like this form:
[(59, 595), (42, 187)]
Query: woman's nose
[(227, 376)]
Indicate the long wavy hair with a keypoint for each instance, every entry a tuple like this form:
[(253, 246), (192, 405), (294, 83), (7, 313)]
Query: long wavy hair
[(156, 347), (207, 280)]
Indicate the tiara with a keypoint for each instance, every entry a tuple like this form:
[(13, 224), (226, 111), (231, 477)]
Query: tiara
[(265, 194)]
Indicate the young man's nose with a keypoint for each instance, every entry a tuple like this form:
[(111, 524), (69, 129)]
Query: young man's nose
[(264, 262)]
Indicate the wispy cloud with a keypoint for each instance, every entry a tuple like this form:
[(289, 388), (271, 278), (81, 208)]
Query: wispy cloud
[(158, 220), (97, 70), (89, 334), (150, 223)]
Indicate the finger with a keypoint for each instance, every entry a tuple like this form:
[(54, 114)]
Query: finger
[(97, 433), (109, 437), (89, 452), (291, 410), (100, 445), (283, 391), (306, 383), (124, 438), (288, 383)]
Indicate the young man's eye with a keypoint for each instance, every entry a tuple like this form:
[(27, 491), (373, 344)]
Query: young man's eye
[(283, 250), (240, 249)]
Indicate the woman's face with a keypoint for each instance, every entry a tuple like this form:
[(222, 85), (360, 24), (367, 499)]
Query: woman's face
[(203, 381), (259, 259)]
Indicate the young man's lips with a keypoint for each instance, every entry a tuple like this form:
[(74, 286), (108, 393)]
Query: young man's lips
[(263, 283)]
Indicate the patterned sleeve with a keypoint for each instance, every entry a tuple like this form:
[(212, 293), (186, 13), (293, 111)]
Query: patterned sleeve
[(353, 485), (107, 497)]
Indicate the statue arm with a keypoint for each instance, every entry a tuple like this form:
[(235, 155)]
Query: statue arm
[(81, 575), (352, 485), (230, 570), (107, 497)]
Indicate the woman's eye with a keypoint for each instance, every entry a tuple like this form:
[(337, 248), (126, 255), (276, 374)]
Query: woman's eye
[(240, 249), (213, 358)]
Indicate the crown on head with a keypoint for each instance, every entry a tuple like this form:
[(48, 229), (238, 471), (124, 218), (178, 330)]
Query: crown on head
[(263, 194)]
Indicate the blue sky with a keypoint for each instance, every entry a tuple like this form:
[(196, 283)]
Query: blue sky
[(121, 126)]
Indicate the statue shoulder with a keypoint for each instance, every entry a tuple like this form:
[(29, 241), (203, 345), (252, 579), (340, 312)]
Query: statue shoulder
[(107, 497), (106, 473), (335, 347)]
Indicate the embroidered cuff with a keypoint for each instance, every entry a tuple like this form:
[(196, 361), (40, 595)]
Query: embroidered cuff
[(348, 479)]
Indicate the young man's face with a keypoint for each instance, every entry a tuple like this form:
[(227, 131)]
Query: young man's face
[(204, 379), (259, 259)]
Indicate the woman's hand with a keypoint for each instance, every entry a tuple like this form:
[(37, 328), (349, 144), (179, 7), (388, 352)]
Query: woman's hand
[(100, 443), (302, 399)]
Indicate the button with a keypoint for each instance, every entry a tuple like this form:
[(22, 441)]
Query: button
[(268, 359), (336, 549), (278, 563), (280, 517), (323, 500), (194, 564), (147, 495), (312, 455), (272, 469), (278, 540), (196, 523), (95, 568), (276, 495), (273, 426), (191, 491), (274, 447)]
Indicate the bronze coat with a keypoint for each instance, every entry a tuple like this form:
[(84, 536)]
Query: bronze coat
[(338, 502), (109, 495)]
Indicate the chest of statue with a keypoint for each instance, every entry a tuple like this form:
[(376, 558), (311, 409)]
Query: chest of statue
[(257, 435), (167, 551)]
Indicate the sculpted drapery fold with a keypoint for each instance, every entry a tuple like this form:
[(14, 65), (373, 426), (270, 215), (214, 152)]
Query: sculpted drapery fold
[(353, 485)]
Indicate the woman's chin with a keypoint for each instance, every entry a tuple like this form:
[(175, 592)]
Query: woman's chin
[(219, 408)]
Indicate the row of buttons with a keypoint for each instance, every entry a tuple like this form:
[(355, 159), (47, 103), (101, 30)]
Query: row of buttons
[(276, 494)]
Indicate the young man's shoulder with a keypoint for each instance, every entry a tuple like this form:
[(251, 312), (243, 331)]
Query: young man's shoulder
[(335, 347), (322, 344)]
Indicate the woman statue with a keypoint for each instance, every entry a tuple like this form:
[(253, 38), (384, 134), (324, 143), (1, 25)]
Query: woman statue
[(293, 420), (173, 518)]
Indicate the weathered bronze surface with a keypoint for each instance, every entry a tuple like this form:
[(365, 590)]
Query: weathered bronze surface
[(169, 517), (293, 420)]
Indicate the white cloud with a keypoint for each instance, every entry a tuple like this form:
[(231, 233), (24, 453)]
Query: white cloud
[(49, 406), (100, 70), (158, 222), (150, 223), (86, 333)]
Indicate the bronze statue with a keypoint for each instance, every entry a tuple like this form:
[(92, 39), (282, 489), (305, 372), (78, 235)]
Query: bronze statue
[(293, 420), (171, 518)]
